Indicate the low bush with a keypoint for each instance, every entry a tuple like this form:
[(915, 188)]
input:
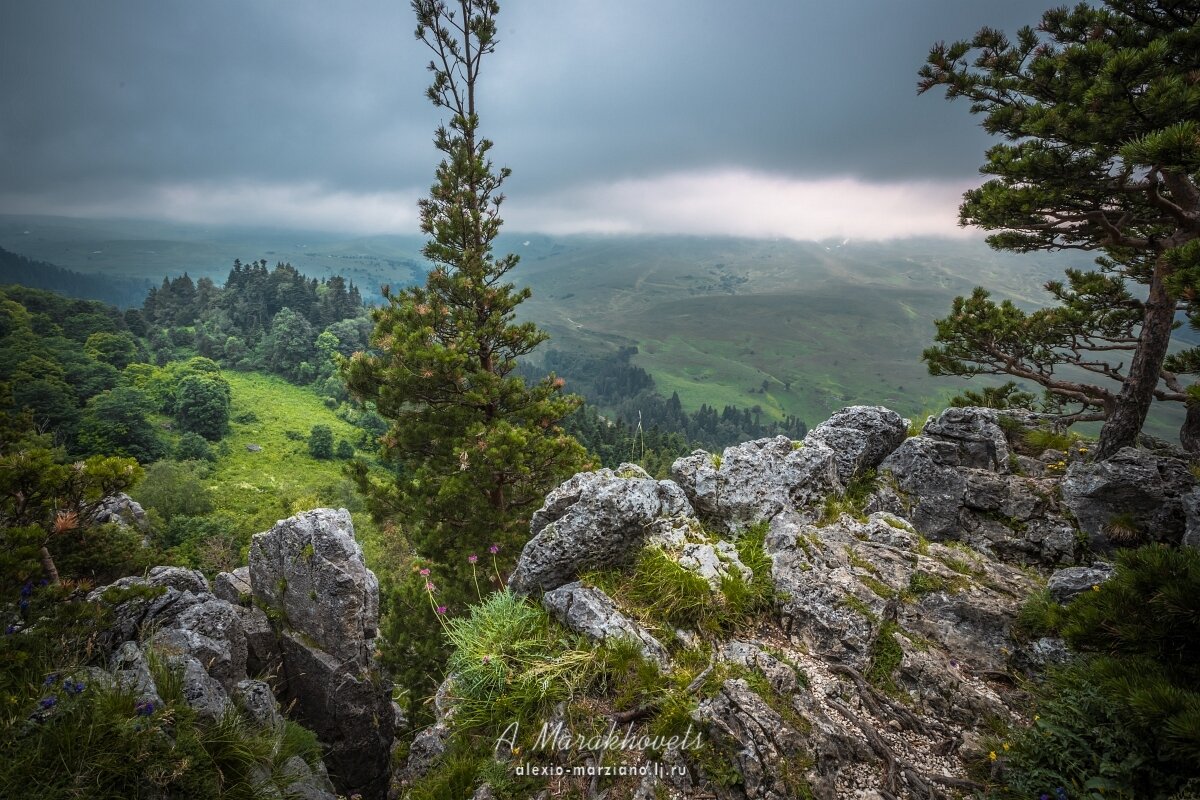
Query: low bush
[(1122, 720)]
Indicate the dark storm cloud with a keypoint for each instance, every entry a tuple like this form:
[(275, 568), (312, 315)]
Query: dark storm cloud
[(118, 102)]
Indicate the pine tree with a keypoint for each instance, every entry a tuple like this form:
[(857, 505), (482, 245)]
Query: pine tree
[(475, 447), (1099, 109)]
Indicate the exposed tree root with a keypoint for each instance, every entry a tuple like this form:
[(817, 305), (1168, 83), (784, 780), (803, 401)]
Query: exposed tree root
[(918, 783)]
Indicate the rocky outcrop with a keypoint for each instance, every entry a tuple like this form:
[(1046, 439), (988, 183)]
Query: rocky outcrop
[(1132, 498), (303, 615), (955, 482), (121, 509), (861, 437), (594, 520), (587, 610), (310, 571), (171, 615), (755, 481), (308, 575)]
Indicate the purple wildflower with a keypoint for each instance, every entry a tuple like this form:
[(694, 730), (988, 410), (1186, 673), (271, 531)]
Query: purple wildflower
[(48, 702), (429, 587), (144, 708), (495, 548), (472, 558), (425, 572), (51, 678), (27, 589), (441, 609), (10, 630)]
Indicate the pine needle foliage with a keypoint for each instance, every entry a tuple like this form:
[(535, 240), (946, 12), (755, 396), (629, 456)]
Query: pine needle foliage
[(1123, 719), (476, 448)]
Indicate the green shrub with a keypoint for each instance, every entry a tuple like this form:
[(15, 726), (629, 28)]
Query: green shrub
[(1040, 440), (320, 442), (1123, 719), (193, 447)]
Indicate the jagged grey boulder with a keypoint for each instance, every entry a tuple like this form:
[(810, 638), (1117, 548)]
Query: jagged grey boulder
[(978, 439), (132, 673), (588, 610), (201, 691), (262, 646), (350, 711), (1191, 513), (1144, 491), (757, 739), (1066, 583), (310, 569), (594, 520), (210, 631), (825, 605), (714, 562), (233, 587), (121, 509), (308, 575), (755, 481), (955, 483), (860, 437), (430, 742), (256, 699)]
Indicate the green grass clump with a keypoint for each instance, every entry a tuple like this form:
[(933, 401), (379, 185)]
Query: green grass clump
[(852, 501), (1123, 718), (511, 662), (885, 657), (1040, 615), (666, 596), (92, 739), (1039, 440)]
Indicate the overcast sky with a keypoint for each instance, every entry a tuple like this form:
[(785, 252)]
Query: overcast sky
[(757, 118)]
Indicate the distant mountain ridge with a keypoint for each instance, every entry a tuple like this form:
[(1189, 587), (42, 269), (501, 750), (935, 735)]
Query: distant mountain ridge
[(121, 291)]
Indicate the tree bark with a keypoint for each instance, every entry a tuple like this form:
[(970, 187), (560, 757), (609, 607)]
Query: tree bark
[(1133, 402)]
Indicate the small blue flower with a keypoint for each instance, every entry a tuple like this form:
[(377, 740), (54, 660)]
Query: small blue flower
[(48, 702), (10, 630), (73, 688), (50, 679), (1060, 793), (27, 589), (24, 604), (144, 708)]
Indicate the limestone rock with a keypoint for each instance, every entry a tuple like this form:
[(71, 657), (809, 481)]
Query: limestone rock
[(1145, 491), (121, 509), (781, 676), (587, 610), (978, 439), (592, 521), (233, 587), (755, 481), (349, 710), (1064, 584), (860, 437), (310, 569), (131, 671), (714, 562), (756, 737), (257, 700), (201, 691)]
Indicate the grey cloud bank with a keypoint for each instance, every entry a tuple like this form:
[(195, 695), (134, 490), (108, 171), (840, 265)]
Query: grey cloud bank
[(673, 116)]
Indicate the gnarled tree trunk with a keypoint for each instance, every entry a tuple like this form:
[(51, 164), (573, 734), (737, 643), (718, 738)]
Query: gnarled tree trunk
[(1133, 402)]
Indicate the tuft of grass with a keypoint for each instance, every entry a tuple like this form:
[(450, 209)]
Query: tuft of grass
[(1039, 440), (1122, 529), (852, 501), (511, 662), (885, 657)]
